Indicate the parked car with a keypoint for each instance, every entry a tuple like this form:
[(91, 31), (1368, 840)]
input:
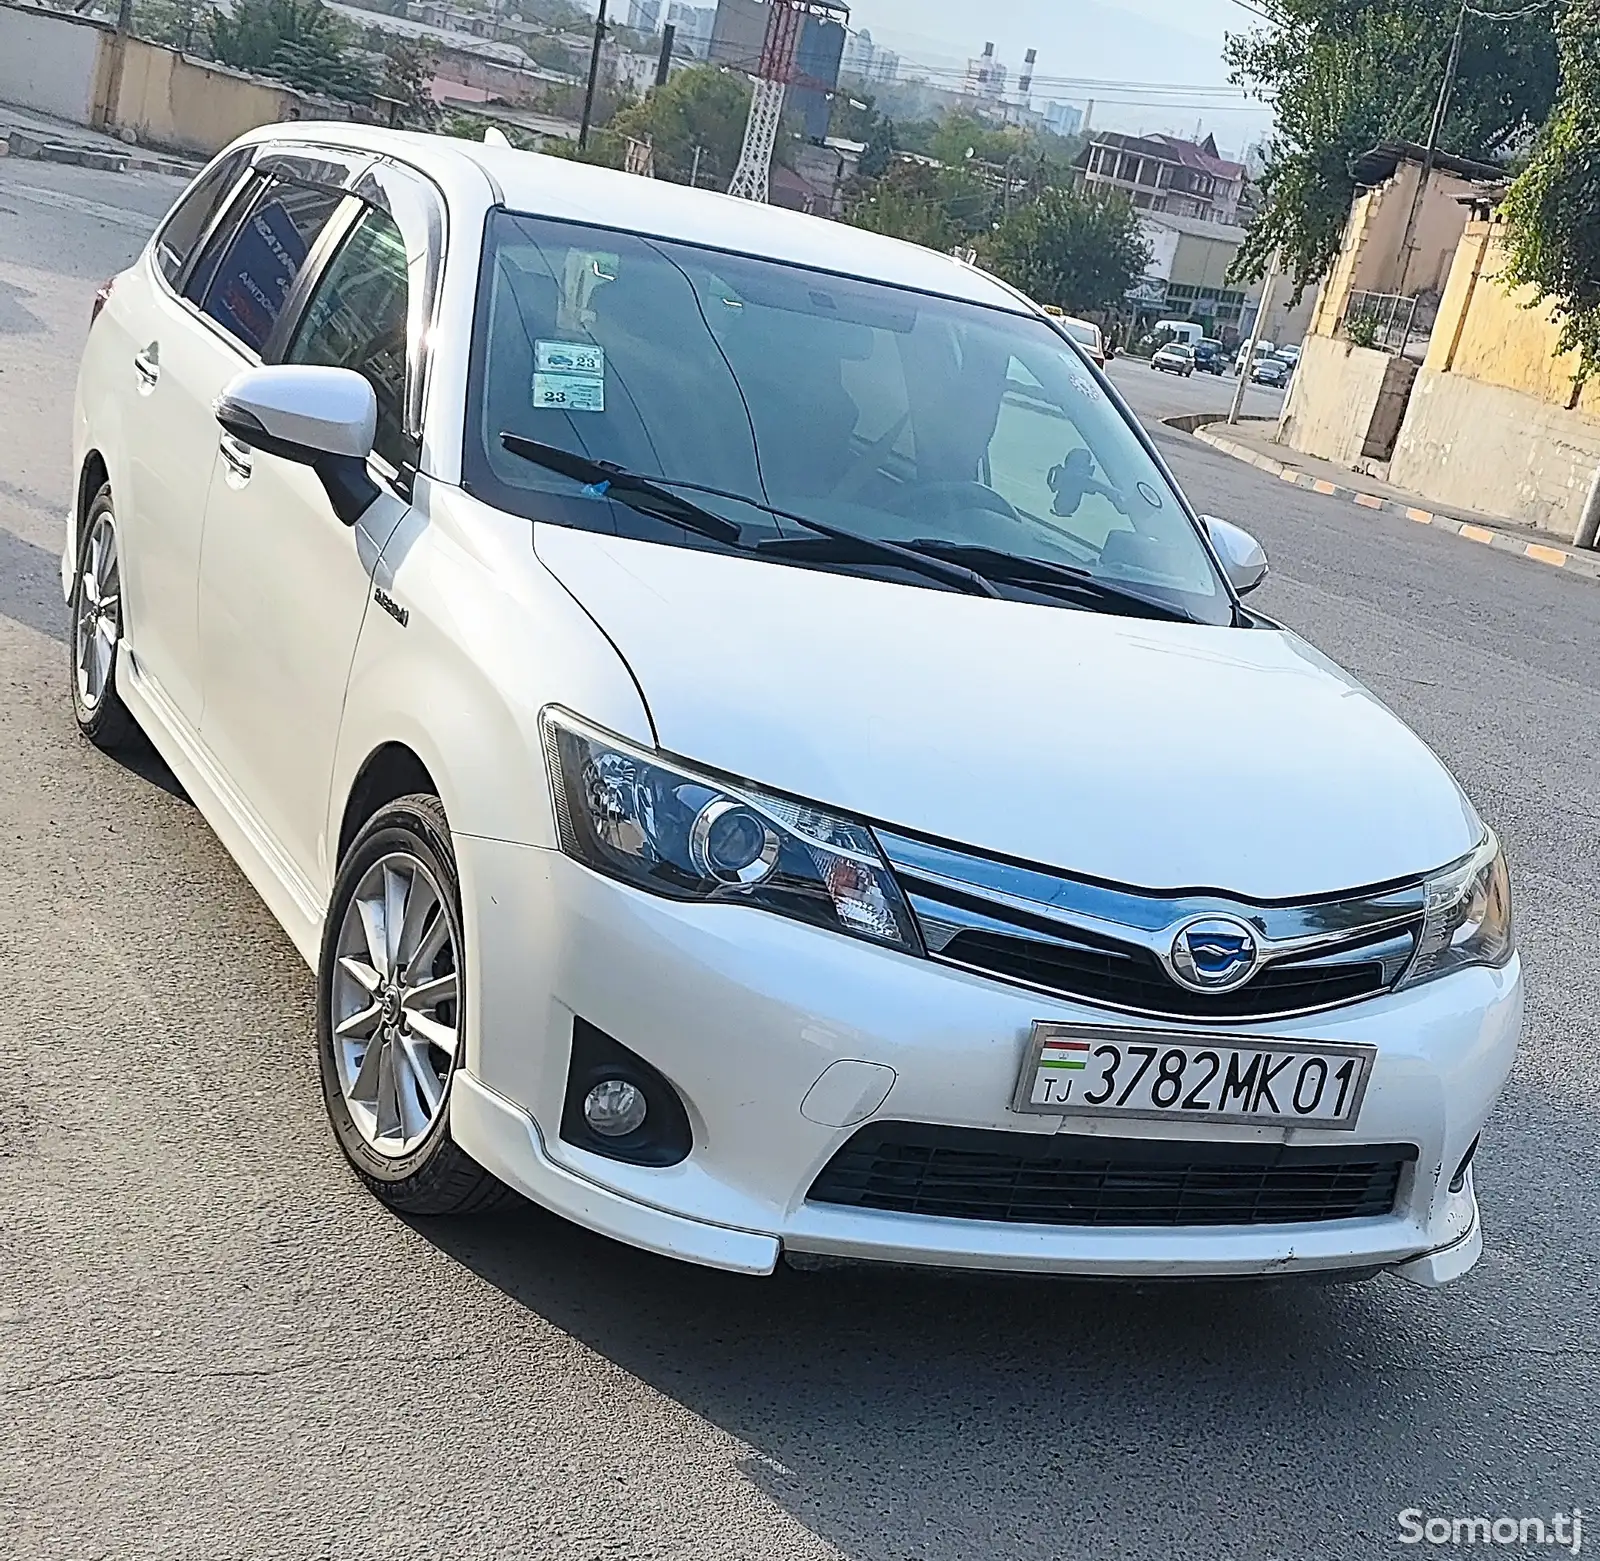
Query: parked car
[(1175, 358), (716, 698), (1262, 349), (1210, 355), (1271, 370), (1087, 334), (1290, 355)]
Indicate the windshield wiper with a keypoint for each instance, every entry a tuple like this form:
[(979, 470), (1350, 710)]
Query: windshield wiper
[(1016, 569), (605, 479)]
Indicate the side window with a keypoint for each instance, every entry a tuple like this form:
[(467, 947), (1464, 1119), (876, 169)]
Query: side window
[(356, 319), (264, 255), (183, 230)]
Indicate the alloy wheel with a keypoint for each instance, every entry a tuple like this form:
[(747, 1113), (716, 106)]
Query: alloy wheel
[(99, 616), (396, 1004)]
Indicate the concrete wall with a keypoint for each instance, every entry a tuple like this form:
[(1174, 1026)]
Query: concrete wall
[(1501, 451), (1496, 421), (49, 62), (171, 100), (1369, 255), (1333, 398)]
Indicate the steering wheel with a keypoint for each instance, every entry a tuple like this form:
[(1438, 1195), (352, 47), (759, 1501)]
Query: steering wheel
[(977, 496)]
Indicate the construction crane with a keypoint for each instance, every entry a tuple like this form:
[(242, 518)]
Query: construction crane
[(777, 70)]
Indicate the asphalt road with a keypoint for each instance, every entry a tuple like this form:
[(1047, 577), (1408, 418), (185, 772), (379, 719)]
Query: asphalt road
[(213, 1345)]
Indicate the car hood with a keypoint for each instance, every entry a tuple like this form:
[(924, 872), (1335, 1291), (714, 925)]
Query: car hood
[(1157, 755)]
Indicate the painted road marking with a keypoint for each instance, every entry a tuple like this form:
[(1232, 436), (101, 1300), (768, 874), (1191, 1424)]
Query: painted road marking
[(1422, 516), (1547, 555), (1369, 501), (1477, 533)]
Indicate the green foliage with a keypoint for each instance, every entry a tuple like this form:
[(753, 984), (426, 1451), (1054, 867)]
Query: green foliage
[(1344, 75), (879, 155), (941, 208), (1362, 330), (1552, 214), (300, 42), (179, 23), (703, 107), (1079, 252), (407, 71)]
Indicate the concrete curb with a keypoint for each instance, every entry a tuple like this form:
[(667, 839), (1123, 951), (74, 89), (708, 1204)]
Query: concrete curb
[(1570, 559), (23, 143)]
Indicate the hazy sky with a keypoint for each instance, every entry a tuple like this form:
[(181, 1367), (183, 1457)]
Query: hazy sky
[(1171, 42)]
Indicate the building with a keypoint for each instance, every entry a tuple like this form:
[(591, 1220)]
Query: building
[(694, 25), (1162, 173), (739, 36), (1065, 119), (1187, 279), (986, 77), (865, 62), (644, 16)]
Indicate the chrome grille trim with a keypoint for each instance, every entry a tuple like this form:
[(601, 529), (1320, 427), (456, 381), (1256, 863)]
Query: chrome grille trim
[(1367, 937)]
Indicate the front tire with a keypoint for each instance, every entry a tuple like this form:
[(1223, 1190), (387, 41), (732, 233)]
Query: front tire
[(96, 645), (391, 1026)]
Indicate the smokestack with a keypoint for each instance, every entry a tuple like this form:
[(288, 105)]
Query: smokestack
[(1025, 86)]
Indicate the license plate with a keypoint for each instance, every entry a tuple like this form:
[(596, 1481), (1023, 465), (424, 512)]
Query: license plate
[(1100, 1071)]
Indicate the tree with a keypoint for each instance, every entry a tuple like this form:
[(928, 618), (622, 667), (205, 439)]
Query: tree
[(406, 79), (702, 108), (301, 42), (1079, 252), (1344, 75), (940, 208), (875, 162), (1552, 213)]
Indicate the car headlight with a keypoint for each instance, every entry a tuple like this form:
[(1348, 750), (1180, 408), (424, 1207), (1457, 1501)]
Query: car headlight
[(1468, 917), (654, 823)]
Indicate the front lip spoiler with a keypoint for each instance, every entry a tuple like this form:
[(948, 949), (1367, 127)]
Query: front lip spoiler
[(1432, 1269)]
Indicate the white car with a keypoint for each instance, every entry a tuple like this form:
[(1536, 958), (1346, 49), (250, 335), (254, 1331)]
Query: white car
[(1175, 358), (762, 758)]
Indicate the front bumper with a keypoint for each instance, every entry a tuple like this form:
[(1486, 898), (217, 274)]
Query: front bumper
[(745, 1012)]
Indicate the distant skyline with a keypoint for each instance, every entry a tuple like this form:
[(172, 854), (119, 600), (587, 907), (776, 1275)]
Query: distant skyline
[(1170, 42)]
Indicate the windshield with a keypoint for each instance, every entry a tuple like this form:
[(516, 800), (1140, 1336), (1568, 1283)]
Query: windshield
[(867, 408), (1088, 335)]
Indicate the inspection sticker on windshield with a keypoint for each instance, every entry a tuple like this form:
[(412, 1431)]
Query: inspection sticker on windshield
[(1161, 1075), (569, 376)]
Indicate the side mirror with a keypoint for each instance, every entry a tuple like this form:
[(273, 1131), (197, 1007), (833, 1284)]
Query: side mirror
[(324, 418), (1243, 559)]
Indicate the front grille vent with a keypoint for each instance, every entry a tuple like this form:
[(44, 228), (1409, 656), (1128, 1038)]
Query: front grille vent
[(1066, 1179)]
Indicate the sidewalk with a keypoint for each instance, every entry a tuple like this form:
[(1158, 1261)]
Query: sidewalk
[(24, 133), (1251, 440)]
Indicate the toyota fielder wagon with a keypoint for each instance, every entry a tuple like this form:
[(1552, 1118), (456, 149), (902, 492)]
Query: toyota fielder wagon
[(760, 754)]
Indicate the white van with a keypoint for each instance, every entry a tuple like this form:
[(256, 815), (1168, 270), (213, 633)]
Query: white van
[(1189, 332)]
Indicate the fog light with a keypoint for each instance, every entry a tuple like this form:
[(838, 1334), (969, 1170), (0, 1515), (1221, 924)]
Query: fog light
[(614, 1108)]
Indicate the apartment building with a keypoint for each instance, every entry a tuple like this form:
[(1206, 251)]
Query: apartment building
[(1162, 173)]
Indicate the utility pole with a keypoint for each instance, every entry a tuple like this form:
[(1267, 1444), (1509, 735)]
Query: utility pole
[(1248, 361), (664, 64), (1408, 241), (594, 77), (694, 173)]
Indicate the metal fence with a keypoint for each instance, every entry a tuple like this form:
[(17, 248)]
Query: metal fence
[(1392, 322)]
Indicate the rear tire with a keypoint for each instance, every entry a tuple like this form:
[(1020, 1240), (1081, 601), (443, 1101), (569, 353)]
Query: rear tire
[(391, 1029), (95, 648)]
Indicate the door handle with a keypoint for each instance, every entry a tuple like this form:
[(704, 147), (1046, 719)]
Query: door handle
[(237, 456), (147, 365)]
